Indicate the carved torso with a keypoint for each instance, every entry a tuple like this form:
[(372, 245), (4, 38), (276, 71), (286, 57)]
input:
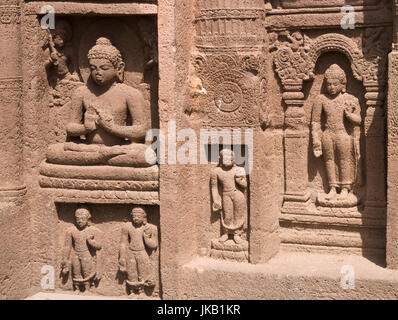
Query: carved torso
[(136, 237), (114, 102), (227, 179), (334, 111), (79, 238)]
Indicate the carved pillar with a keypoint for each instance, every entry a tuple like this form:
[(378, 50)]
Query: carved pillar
[(392, 153), (375, 150), (294, 66), (14, 251), (297, 197), (230, 64)]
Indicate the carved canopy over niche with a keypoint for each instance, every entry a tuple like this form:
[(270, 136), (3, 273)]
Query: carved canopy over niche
[(295, 59)]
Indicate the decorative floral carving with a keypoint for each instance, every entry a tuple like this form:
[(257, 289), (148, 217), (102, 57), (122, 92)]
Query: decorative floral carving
[(231, 96), (10, 15), (296, 54), (292, 60)]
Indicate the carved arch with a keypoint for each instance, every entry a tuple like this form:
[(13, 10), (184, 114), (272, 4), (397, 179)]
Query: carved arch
[(336, 42), (296, 58)]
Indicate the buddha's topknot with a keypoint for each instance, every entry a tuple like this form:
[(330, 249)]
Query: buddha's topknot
[(104, 49)]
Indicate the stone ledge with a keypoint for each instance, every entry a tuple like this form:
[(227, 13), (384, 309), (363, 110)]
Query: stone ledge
[(34, 8), (287, 276)]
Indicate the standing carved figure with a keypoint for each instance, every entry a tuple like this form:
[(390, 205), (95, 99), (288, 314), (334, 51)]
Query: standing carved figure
[(138, 242), (339, 141), (232, 201), (59, 55), (60, 65), (85, 240)]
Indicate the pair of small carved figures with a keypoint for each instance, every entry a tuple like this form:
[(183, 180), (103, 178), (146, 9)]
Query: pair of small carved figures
[(138, 242)]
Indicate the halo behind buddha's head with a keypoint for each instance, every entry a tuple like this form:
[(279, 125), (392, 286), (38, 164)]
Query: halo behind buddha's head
[(103, 49)]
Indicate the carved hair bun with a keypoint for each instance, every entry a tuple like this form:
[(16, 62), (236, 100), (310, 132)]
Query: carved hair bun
[(104, 49), (103, 42)]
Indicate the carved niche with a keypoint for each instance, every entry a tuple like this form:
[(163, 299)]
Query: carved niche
[(296, 55), (105, 158)]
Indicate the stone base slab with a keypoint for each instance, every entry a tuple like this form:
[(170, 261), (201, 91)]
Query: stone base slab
[(229, 250), (287, 276)]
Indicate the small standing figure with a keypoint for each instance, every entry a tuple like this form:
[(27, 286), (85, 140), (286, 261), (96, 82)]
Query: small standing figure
[(339, 141), (85, 240), (59, 55), (231, 204), (60, 65), (138, 243)]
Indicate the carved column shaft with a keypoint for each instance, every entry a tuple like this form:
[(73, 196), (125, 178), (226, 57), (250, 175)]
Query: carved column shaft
[(296, 145), (15, 251), (10, 101), (392, 161), (375, 141)]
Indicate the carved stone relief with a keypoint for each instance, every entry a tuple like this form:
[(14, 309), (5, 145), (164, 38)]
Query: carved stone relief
[(109, 121), (81, 252), (139, 242), (228, 189)]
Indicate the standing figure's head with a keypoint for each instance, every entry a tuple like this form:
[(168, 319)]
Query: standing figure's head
[(82, 216), (62, 33), (106, 63), (336, 80), (227, 158), (138, 216)]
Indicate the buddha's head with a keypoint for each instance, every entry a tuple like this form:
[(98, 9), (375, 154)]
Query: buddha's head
[(106, 63), (227, 158), (336, 80), (82, 217), (138, 216)]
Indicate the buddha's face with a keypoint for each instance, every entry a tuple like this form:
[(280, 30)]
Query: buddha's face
[(334, 86), (82, 217), (103, 72), (227, 158), (138, 217)]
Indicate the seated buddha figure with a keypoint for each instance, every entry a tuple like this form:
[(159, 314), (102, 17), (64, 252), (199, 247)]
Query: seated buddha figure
[(109, 119)]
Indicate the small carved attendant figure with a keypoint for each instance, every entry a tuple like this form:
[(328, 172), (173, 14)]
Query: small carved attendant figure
[(60, 65), (138, 242), (85, 240), (339, 142), (59, 55), (102, 111), (232, 201)]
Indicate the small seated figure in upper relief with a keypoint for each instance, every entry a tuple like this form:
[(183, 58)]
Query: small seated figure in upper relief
[(339, 141), (231, 203), (138, 242), (111, 115), (85, 240)]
